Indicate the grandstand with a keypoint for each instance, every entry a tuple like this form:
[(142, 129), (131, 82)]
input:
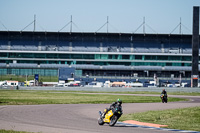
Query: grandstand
[(96, 54)]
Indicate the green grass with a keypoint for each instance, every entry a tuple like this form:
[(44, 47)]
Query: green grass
[(11, 131), (169, 93), (21, 97), (184, 93), (146, 92), (184, 119)]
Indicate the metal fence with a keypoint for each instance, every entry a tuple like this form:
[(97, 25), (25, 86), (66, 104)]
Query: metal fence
[(111, 89)]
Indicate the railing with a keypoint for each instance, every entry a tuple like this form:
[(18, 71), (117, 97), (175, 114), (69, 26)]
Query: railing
[(92, 49), (111, 89), (134, 78)]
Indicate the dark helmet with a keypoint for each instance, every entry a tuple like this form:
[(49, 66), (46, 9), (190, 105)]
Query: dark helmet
[(119, 101)]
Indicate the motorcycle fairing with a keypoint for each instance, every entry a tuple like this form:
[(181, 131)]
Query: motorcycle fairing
[(107, 116)]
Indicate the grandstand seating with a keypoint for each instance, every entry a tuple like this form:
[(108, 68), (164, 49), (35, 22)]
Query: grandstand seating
[(176, 68), (22, 65), (97, 67), (3, 65), (3, 42), (53, 65), (90, 46), (3, 47), (63, 48)]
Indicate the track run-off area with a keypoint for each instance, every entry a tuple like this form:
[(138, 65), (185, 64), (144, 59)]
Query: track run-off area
[(80, 118)]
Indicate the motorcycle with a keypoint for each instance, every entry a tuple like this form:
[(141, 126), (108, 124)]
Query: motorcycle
[(111, 116), (164, 98)]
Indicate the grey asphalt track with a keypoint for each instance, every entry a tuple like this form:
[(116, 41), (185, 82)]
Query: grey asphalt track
[(78, 118)]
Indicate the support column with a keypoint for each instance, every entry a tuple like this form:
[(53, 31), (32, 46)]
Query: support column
[(195, 48)]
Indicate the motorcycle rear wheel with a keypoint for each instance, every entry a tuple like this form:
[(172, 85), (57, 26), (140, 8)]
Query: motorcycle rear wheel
[(113, 120), (163, 100)]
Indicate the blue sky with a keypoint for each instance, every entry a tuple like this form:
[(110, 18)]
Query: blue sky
[(125, 16)]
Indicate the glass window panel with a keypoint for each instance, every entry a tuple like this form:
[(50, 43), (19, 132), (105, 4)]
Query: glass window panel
[(148, 57), (3, 71), (186, 58), (12, 55), (174, 58), (187, 64), (15, 71), (138, 57), (39, 55), (168, 64), (62, 56), (126, 57), (109, 56), (176, 64), (119, 57), (76, 56), (3, 55), (132, 57), (26, 72), (88, 56), (162, 57), (104, 56), (27, 55), (97, 56), (52, 56)]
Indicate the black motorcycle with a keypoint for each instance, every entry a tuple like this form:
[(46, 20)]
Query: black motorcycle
[(163, 98), (111, 116)]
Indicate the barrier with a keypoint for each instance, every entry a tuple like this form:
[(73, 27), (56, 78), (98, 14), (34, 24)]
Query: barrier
[(115, 89)]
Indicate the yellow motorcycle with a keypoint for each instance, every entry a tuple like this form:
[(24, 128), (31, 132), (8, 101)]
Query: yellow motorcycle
[(111, 116)]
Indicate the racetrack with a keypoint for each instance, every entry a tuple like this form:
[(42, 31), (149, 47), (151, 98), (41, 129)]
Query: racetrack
[(78, 118)]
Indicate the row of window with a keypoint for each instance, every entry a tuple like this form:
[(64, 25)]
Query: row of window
[(101, 63), (41, 72), (96, 56), (79, 73)]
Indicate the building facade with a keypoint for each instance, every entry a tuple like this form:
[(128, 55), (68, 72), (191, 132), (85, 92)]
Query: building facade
[(96, 54)]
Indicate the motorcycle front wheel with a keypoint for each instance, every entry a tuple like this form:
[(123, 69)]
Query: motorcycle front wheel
[(100, 121), (113, 120)]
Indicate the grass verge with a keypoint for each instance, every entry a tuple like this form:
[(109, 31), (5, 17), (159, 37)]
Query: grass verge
[(21, 97), (144, 92), (11, 131), (183, 119)]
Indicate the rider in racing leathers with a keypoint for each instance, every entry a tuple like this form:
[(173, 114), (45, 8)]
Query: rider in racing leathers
[(113, 105), (164, 92), (164, 95)]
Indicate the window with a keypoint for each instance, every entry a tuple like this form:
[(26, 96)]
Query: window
[(126, 57), (76, 56), (3, 55), (88, 56), (178, 58), (52, 56), (138, 57), (39, 55), (149, 57), (162, 58), (104, 56), (186, 58)]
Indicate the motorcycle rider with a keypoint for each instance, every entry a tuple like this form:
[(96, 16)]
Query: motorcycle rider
[(164, 93), (113, 105)]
